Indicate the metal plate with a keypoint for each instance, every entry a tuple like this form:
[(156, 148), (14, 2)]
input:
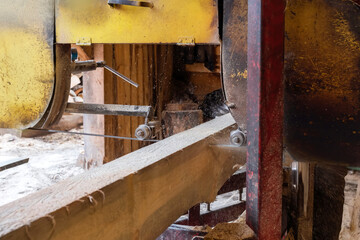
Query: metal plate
[(322, 95), (169, 21), (26, 61), (234, 57)]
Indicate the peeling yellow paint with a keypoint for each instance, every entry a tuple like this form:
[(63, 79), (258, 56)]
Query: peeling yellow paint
[(26, 77), (243, 74)]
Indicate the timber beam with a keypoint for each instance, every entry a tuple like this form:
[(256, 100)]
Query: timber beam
[(134, 197)]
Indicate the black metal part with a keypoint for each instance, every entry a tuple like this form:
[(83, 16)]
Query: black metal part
[(131, 3), (234, 57), (225, 213), (84, 66), (176, 232), (12, 163), (110, 109), (236, 181), (322, 82)]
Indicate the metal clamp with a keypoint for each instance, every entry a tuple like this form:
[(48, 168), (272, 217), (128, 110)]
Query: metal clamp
[(131, 3)]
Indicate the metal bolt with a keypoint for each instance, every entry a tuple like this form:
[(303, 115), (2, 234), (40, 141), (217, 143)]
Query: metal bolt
[(143, 132), (230, 104), (238, 138)]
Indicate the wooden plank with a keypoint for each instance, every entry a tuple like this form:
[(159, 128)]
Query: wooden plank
[(134, 197)]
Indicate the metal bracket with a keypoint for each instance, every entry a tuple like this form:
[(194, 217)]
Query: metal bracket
[(186, 41), (84, 41), (131, 3)]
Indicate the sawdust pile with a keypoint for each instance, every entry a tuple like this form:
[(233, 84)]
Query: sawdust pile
[(237, 230), (52, 158)]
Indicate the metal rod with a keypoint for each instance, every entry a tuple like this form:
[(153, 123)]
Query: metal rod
[(109, 109), (13, 163), (93, 134), (121, 76)]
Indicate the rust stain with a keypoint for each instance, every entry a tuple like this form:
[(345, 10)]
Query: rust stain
[(322, 80)]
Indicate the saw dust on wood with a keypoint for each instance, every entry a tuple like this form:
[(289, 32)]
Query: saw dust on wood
[(134, 197), (52, 158), (237, 230)]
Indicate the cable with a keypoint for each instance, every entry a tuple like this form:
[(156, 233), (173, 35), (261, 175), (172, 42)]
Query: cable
[(93, 134)]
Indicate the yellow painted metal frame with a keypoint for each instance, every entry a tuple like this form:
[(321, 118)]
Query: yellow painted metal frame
[(26, 61), (168, 21)]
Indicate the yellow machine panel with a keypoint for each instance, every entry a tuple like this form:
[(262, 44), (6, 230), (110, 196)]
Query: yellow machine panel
[(167, 21), (26, 61)]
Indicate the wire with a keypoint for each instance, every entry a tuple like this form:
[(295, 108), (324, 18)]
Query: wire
[(93, 134)]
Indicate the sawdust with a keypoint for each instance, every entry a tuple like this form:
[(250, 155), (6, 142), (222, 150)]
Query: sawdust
[(52, 158), (237, 230)]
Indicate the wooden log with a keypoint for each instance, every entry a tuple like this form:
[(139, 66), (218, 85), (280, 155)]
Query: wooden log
[(134, 197)]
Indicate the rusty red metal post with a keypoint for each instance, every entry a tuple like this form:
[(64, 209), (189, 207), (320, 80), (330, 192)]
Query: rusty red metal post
[(265, 116)]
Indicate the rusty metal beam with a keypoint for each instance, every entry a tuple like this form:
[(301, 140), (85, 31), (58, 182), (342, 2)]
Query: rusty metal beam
[(265, 116)]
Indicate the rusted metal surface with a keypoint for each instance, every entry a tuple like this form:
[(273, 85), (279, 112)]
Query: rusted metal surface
[(236, 182), (60, 96), (226, 213), (94, 21), (234, 57), (26, 61), (322, 95), (109, 109), (265, 116), (194, 216)]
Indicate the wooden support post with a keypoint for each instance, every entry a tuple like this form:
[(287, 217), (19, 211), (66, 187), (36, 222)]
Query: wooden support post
[(134, 197), (265, 117), (94, 93)]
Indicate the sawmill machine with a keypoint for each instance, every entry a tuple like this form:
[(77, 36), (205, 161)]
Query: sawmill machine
[(290, 72)]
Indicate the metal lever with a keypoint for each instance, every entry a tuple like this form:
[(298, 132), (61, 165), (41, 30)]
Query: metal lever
[(121, 76), (131, 3), (90, 65)]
